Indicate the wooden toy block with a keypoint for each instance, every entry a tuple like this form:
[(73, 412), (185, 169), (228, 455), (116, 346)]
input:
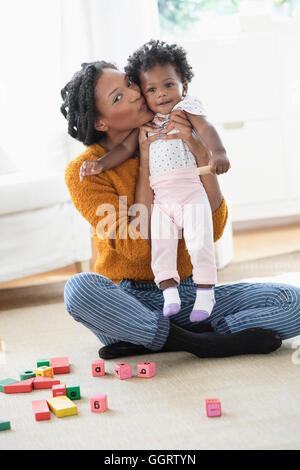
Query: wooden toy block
[(98, 368), (213, 407), (146, 369), (60, 365), (4, 382), (4, 425), (19, 387), (43, 362), (59, 390), (123, 371), (27, 374), (44, 382), (73, 392), (44, 371), (41, 410), (98, 403), (62, 406)]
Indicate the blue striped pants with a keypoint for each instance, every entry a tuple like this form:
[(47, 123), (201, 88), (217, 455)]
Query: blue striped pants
[(132, 311)]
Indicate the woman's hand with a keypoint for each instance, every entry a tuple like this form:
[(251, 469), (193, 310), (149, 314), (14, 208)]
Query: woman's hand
[(145, 140)]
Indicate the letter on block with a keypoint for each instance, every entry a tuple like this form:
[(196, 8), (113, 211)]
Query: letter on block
[(44, 371), (41, 410), (73, 392), (98, 368), (60, 365), (59, 390), (62, 406), (123, 371), (213, 407), (98, 403), (146, 369)]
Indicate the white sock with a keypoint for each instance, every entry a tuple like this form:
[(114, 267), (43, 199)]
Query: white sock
[(204, 303), (171, 296)]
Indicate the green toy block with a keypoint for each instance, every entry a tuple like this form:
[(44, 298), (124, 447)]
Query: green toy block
[(6, 382), (43, 362), (4, 425), (73, 392), (28, 374)]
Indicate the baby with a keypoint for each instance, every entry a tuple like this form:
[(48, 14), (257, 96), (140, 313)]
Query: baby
[(163, 74)]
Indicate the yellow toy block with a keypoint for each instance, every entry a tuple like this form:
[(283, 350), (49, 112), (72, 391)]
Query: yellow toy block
[(62, 406), (44, 371)]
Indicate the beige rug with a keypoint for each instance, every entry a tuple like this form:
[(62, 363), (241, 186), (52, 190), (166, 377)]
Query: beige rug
[(259, 394)]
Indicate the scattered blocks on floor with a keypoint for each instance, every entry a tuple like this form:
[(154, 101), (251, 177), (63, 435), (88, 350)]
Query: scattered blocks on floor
[(44, 371), (213, 407), (4, 425), (60, 365), (123, 371), (27, 374), (146, 369), (41, 410), (73, 392), (62, 406), (98, 368), (98, 403), (44, 382), (59, 390), (19, 387)]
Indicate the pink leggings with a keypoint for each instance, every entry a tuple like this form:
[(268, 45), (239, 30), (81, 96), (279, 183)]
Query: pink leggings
[(180, 202)]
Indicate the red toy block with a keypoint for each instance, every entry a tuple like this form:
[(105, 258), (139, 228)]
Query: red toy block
[(123, 371), (19, 387), (146, 369), (60, 365), (41, 410), (98, 368), (213, 407), (59, 390), (98, 403), (44, 382)]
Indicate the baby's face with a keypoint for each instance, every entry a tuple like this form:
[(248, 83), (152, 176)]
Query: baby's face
[(162, 88)]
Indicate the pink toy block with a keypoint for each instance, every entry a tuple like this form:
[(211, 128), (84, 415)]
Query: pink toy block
[(146, 369), (44, 382), (98, 403), (19, 387), (123, 371), (41, 410), (60, 365), (98, 368), (213, 407), (59, 390)]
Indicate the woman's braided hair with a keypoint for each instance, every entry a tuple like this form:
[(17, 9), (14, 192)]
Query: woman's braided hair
[(79, 103), (158, 52)]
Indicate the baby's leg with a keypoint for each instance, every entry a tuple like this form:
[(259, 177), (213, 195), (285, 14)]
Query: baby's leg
[(164, 243), (198, 232)]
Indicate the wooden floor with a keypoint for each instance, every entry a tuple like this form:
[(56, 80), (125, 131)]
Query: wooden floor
[(248, 245)]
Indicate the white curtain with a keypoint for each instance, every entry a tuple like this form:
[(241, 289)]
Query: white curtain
[(42, 44)]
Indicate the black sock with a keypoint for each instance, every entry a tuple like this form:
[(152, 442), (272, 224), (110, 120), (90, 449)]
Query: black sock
[(211, 344)]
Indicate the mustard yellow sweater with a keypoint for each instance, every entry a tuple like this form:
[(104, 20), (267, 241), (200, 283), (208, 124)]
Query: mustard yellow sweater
[(122, 257)]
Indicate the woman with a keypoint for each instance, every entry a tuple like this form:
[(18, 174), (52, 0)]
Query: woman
[(120, 302)]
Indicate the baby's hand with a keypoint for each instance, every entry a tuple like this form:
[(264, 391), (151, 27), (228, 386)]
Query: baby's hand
[(91, 167), (219, 163)]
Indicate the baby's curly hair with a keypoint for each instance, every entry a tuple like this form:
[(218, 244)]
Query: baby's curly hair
[(158, 52), (79, 103)]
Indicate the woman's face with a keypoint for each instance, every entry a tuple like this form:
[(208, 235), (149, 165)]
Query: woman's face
[(120, 103)]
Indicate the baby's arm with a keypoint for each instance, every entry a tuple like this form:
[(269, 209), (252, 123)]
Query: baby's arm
[(211, 139), (115, 157)]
